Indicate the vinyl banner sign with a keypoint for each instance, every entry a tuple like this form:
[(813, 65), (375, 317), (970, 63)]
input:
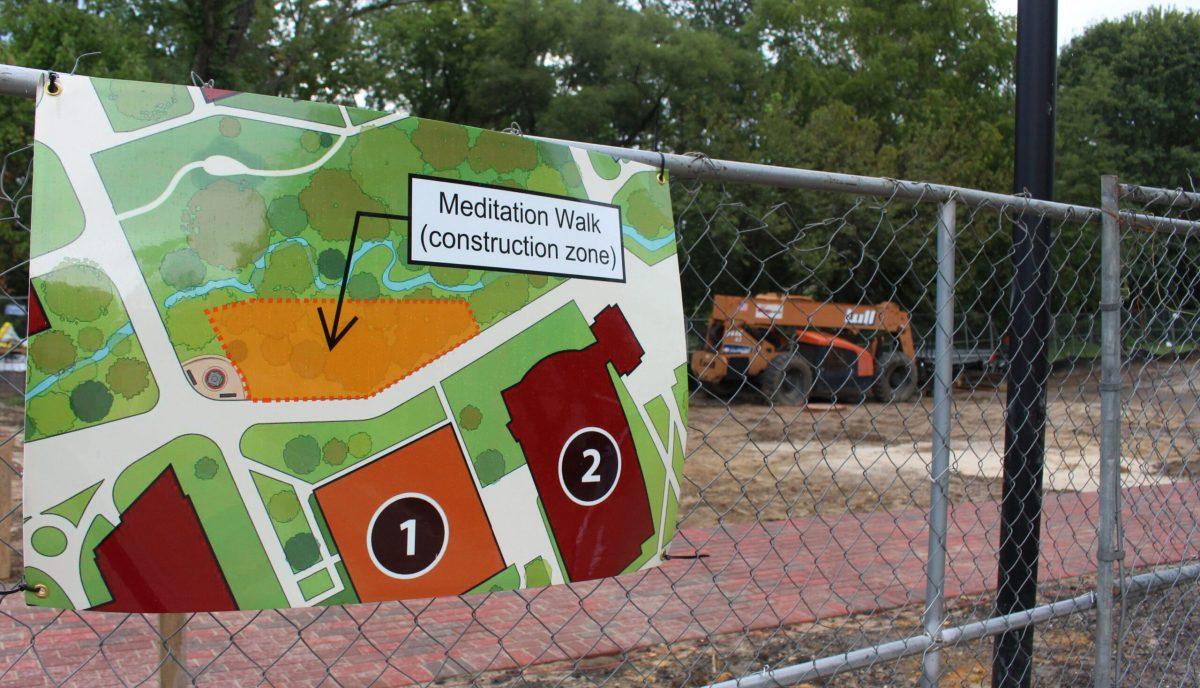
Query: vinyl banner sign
[(286, 354)]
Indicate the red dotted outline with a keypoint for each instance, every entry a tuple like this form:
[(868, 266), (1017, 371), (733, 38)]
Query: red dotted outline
[(331, 301)]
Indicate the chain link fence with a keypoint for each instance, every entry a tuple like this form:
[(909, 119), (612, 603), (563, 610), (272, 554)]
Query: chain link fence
[(859, 482), (1156, 291), (840, 516)]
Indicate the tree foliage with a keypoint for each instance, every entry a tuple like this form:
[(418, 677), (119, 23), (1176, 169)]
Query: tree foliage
[(729, 77), (1128, 104), (302, 454), (919, 89), (91, 401)]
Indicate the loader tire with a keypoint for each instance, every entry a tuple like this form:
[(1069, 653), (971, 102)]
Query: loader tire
[(896, 379), (787, 381)]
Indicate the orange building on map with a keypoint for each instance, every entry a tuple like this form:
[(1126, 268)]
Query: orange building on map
[(411, 524)]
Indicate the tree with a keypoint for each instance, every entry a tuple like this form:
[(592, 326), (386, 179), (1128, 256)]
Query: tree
[(78, 292), (589, 69), (1127, 104), (904, 89), (331, 263), (283, 506), (52, 352), (684, 76), (302, 454), (182, 268), (91, 401), (905, 65), (334, 452), (227, 224), (287, 216), (302, 551), (489, 466), (205, 468), (470, 417), (359, 445), (128, 377)]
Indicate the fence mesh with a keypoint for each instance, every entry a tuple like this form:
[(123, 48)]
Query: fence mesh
[(1159, 503), (804, 524)]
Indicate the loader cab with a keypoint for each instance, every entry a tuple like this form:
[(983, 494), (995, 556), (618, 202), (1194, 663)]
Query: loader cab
[(735, 354), (746, 349)]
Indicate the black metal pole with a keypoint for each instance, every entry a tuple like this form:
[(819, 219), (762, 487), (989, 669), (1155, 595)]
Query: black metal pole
[(1028, 339)]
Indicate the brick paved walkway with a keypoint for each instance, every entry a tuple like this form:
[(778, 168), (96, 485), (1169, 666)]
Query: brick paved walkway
[(754, 577)]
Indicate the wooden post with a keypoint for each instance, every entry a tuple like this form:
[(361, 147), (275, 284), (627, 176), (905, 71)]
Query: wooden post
[(7, 469), (171, 651)]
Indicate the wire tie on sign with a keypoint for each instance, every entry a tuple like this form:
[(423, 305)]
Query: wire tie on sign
[(39, 590), (52, 86), (702, 159), (200, 82), (662, 168), (79, 59)]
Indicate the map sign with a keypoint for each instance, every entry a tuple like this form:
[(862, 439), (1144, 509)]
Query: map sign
[(288, 354)]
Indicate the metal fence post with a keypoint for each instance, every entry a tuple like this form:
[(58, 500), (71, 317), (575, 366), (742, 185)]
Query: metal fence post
[(1110, 425), (939, 470)]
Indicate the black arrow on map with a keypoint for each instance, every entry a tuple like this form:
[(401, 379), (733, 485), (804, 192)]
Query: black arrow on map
[(334, 334)]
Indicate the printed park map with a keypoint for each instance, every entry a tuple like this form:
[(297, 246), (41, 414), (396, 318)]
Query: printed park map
[(288, 354)]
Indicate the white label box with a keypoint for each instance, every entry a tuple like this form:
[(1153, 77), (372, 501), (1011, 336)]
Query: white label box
[(470, 225)]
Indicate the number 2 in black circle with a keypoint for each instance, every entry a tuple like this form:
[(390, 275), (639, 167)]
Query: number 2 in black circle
[(408, 535), (589, 466)]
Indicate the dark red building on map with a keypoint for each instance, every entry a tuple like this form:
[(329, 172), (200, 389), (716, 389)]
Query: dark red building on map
[(568, 419)]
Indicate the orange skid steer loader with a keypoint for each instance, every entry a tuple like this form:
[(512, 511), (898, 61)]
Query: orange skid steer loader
[(791, 347)]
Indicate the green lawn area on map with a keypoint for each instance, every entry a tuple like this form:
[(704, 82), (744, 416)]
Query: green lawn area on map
[(89, 368), (474, 392), (217, 239), (287, 519), (315, 451)]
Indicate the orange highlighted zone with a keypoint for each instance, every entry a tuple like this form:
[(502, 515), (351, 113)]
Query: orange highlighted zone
[(279, 348)]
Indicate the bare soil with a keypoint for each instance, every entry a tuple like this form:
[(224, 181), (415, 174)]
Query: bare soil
[(751, 461)]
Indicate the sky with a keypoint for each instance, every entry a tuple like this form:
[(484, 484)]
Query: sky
[(1074, 16)]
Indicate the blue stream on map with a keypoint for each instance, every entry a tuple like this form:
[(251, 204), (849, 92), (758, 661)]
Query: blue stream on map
[(404, 285), (101, 353)]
